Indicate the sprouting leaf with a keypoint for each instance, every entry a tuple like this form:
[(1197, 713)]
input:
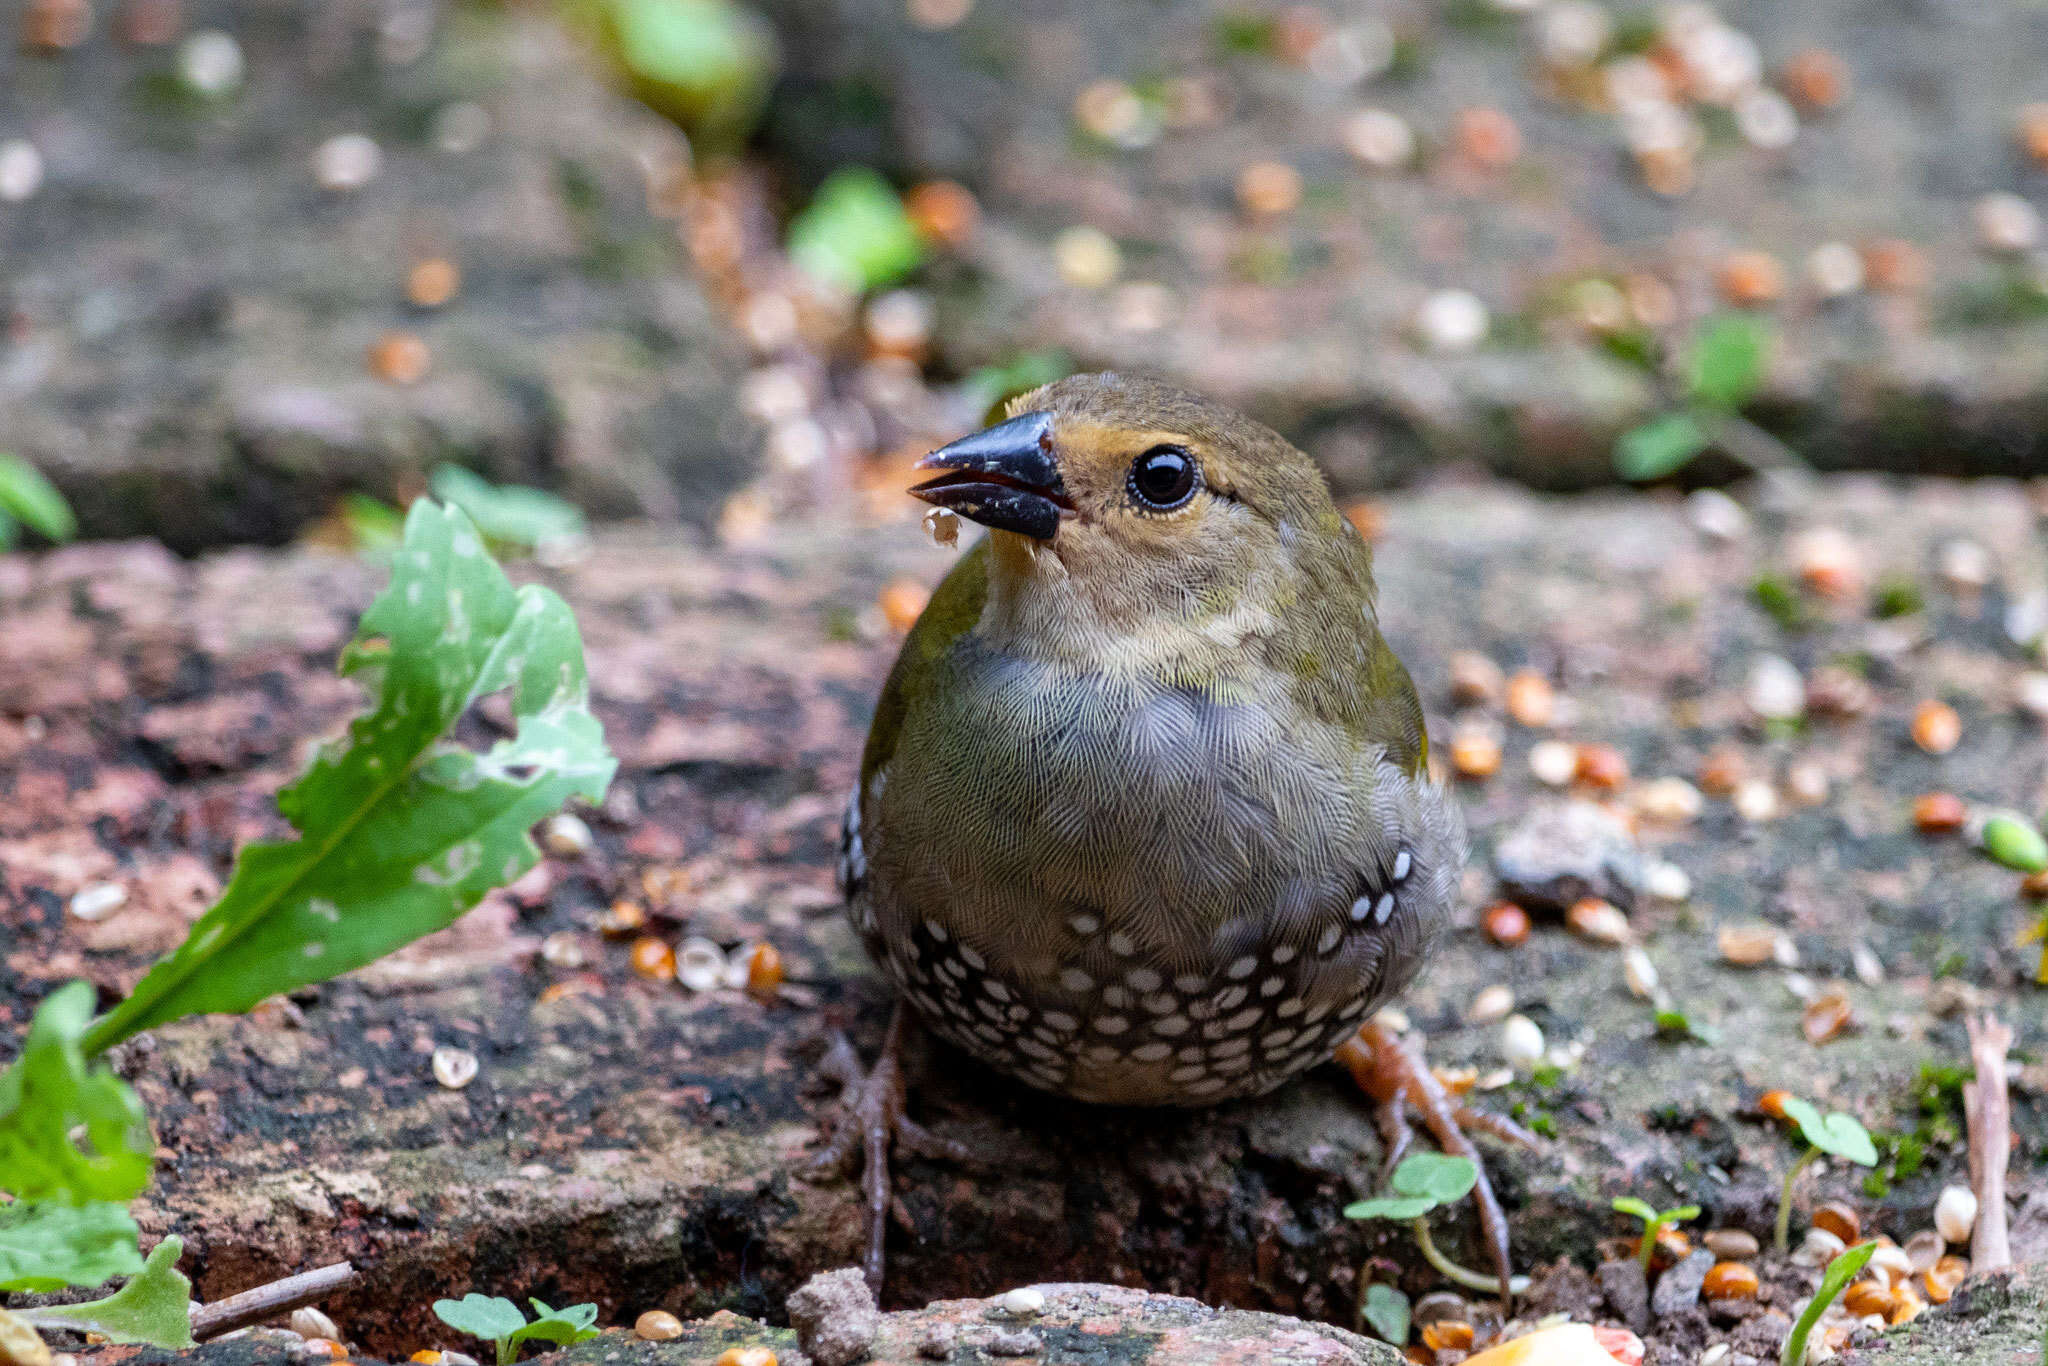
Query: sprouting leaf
[(509, 513), (33, 500), (154, 1308), (46, 1246), (992, 385), (1386, 1309), (2015, 843), (50, 1092), (373, 525), (563, 1327), (1727, 364), (1674, 1023), (694, 44), (1390, 1207), (1440, 1176), (1659, 447), (1628, 1204), (401, 830), (855, 233), (489, 1317), (1837, 1134), (1846, 1267)]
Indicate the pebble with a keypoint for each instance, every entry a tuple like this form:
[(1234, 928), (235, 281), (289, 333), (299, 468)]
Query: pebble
[(1553, 762), (1521, 1041), (1025, 1300), (347, 162), (2006, 223), (657, 1325), (1014, 1342), (453, 1067), (1775, 690), (935, 1341), (566, 836), (1955, 1213), (1678, 1289), (98, 900), (1452, 320), (21, 170), (1627, 1291)]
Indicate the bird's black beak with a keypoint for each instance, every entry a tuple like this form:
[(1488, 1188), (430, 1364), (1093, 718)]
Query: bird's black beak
[(1005, 477)]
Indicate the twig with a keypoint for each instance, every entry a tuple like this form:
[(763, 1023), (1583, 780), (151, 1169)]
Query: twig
[(1988, 1113), (267, 1301)]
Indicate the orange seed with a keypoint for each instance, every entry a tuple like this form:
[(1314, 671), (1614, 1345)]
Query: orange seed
[(399, 358), (1868, 1297), (1936, 727), (1530, 698), (764, 972), (1840, 1220), (943, 212), (1601, 766), (1748, 278), (657, 1325), (1817, 78), (1505, 923), (1938, 813), (432, 282), (745, 1356), (1772, 1103), (1730, 1281), (654, 959), (902, 602), (1447, 1335)]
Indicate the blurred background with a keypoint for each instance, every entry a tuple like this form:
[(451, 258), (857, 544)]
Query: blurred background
[(266, 266)]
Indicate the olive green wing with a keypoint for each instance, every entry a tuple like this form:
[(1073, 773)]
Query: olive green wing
[(954, 609)]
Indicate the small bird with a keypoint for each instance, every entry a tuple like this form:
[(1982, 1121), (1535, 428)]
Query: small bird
[(1144, 816)]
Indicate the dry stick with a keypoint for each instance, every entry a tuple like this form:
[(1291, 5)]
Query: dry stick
[(1988, 1114), (267, 1301)]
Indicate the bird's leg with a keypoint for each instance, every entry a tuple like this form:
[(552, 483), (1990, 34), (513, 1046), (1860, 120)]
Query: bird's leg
[(872, 1118), (1397, 1077)]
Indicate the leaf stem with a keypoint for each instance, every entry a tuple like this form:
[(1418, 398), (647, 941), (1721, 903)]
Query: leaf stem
[(1451, 1271), (1784, 1235)]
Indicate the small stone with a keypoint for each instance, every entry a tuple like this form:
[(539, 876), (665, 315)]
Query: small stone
[(1627, 1291), (1014, 1342), (346, 163), (1732, 1245), (935, 1341), (98, 900), (1678, 1289), (1492, 1003), (566, 836), (835, 1318), (309, 1322), (1521, 1042), (453, 1067), (1775, 690), (2006, 223), (1563, 852), (1553, 762), (1025, 1300), (657, 1325), (1639, 972), (1955, 1213), (21, 170), (1452, 320)]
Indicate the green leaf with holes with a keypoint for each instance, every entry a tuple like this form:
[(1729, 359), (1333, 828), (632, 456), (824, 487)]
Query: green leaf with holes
[(401, 830), (1836, 1134), (154, 1308), (70, 1133)]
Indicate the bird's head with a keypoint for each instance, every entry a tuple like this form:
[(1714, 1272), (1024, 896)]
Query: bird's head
[(1139, 511)]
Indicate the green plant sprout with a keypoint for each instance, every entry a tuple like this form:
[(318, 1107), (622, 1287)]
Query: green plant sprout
[(400, 831), (1386, 1309), (499, 1322), (1837, 1134), (511, 516), (1422, 1182), (1842, 1270), (1654, 1222), (855, 234), (29, 500), (154, 1308), (1723, 372)]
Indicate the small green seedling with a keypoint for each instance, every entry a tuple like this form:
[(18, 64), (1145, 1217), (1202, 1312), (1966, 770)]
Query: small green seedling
[(1387, 1310), (29, 500), (1842, 1270), (1422, 1182), (1723, 372), (511, 516), (499, 1322), (1654, 1222), (154, 1308), (1837, 1134), (1677, 1024), (855, 233)]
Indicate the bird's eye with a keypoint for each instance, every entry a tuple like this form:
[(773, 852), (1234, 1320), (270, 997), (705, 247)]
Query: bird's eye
[(1164, 478)]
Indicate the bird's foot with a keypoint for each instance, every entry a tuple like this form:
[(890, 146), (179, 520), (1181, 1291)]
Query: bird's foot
[(1397, 1078), (871, 1121)]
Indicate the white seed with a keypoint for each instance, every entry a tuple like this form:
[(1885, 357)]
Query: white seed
[(1835, 269), (1964, 563), (1715, 515), (1755, 800), (2033, 694), (309, 1322), (1670, 800), (99, 900), (1452, 320), (1573, 33), (1955, 1213), (566, 836), (1024, 1301), (454, 1068), (701, 965), (1492, 1003), (2026, 619), (1666, 881), (1521, 1041), (1766, 119), (1601, 922), (21, 170), (2006, 223), (1379, 139), (943, 526), (559, 950), (1924, 1249), (900, 320), (1715, 1355), (1869, 968), (1818, 1249), (1639, 972), (1553, 762), (1806, 783), (1775, 691), (210, 63), (1890, 1264), (1087, 258), (347, 162)]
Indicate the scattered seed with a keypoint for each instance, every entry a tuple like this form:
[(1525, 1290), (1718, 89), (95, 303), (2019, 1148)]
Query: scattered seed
[(653, 958), (1869, 1297), (1087, 258), (1715, 515), (432, 282), (1521, 1041), (1766, 119), (1835, 691), (1936, 727), (745, 1356), (1840, 1220), (1269, 189), (1817, 78), (1639, 972), (454, 1068), (1895, 265), (1447, 1335), (657, 1325), (1731, 1245), (1452, 320), (1749, 278), (2006, 223), (309, 1322), (1492, 1003), (1379, 139), (943, 212), (764, 972), (1624, 1346), (317, 1349), (1475, 750), (1669, 801), (21, 170), (1600, 921), (1476, 681), (1775, 690), (1955, 1213), (1666, 881), (98, 900), (1865, 963), (1943, 1277), (1600, 766), (1772, 1103), (1025, 1300), (902, 603), (1818, 1249), (1749, 946), (1906, 1304), (937, 15), (1553, 762), (566, 836), (2031, 131), (1531, 700), (700, 965), (1924, 1249), (1505, 923), (1938, 813), (1722, 772), (622, 919), (1826, 1017), (1755, 801), (2032, 694), (348, 162), (1487, 137), (1890, 1264), (563, 949), (1835, 270)]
